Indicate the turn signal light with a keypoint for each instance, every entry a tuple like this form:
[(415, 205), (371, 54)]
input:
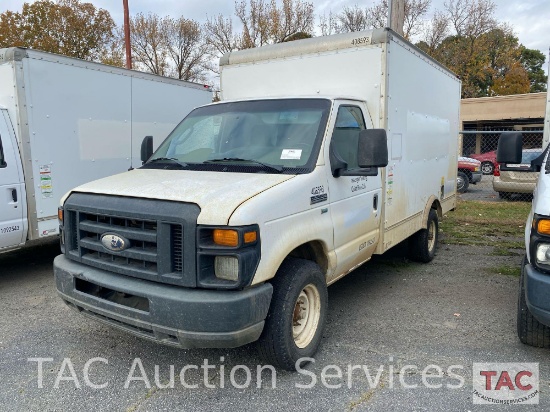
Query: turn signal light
[(225, 237), (543, 227), (60, 214), (250, 237)]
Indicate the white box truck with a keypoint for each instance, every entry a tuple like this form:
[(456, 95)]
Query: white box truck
[(64, 122), (324, 152), (533, 315)]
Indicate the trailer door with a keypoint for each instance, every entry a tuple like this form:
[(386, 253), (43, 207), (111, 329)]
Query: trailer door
[(11, 184)]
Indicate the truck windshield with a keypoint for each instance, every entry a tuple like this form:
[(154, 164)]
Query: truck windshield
[(272, 136)]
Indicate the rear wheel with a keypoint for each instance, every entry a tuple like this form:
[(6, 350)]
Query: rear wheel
[(422, 244), (530, 331), (487, 168), (296, 319), (462, 182)]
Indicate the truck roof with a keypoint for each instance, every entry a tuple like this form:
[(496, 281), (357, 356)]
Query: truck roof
[(353, 40), (13, 54)]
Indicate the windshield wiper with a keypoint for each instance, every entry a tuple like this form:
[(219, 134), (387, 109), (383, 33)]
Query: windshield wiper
[(183, 165), (273, 168)]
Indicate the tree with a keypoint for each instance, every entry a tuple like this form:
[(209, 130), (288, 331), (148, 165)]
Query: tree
[(148, 43), (415, 11), (219, 35), (66, 27), (185, 48), (533, 61), (267, 23), (169, 47), (352, 19)]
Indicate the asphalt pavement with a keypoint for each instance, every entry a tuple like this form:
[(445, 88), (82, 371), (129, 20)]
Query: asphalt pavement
[(400, 336)]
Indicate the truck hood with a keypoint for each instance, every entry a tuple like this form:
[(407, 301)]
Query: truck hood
[(218, 194)]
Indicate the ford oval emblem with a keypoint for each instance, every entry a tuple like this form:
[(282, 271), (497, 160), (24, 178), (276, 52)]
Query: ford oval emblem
[(114, 242)]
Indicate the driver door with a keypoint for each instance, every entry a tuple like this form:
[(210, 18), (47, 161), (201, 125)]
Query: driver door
[(355, 201), (11, 188)]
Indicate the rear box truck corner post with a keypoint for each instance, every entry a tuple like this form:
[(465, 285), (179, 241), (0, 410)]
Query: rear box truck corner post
[(65, 122), (322, 153)]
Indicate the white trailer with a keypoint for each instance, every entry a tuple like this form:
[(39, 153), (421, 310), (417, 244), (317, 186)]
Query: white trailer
[(64, 122), (324, 152)]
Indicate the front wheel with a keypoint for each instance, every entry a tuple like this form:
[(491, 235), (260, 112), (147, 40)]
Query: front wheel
[(462, 182), (530, 331), (294, 326), (423, 243)]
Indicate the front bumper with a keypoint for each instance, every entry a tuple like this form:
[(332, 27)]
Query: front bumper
[(171, 315), (537, 294)]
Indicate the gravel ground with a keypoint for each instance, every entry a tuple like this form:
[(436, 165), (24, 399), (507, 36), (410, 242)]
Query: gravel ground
[(387, 314)]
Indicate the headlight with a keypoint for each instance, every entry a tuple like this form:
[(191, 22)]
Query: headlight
[(226, 267), (539, 243), (543, 253), (476, 169), (227, 256)]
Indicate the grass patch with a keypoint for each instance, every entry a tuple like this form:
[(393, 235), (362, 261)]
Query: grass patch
[(477, 223), (514, 271)]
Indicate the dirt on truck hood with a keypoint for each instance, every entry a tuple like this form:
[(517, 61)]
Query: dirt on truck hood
[(218, 194)]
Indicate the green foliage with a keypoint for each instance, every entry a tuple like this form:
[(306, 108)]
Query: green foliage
[(533, 60), (488, 64), (66, 27)]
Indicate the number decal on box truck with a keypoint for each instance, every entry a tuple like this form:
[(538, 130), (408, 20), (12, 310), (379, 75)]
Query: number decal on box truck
[(9, 229), (360, 40)]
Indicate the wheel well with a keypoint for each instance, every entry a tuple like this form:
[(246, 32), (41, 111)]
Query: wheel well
[(313, 251), (467, 172), (437, 207)]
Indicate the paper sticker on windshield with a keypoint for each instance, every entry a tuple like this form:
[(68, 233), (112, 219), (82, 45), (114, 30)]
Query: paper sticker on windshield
[(291, 154)]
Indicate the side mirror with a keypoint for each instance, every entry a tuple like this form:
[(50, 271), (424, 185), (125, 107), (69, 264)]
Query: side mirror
[(372, 150), (146, 148), (509, 148)]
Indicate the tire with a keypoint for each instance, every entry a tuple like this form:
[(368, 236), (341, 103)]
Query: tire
[(504, 195), (530, 331), (462, 182), (423, 244), (487, 168), (284, 340)]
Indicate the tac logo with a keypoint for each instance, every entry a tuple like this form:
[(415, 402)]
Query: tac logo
[(506, 383)]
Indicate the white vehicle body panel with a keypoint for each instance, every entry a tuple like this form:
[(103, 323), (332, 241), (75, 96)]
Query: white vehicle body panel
[(78, 121)]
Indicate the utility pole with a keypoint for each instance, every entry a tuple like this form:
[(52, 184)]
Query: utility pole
[(396, 15), (127, 34)]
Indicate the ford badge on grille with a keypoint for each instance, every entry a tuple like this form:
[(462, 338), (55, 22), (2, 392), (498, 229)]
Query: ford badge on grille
[(114, 242)]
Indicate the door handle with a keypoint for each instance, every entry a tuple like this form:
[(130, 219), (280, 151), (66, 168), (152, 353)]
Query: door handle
[(375, 203), (14, 195)]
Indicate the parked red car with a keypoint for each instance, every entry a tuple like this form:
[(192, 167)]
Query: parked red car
[(469, 171), (488, 161)]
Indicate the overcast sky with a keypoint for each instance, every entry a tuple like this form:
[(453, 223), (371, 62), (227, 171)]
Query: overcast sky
[(529, 18)]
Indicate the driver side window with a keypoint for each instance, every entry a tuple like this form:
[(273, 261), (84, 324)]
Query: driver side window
[(2, 160), (345, 138)]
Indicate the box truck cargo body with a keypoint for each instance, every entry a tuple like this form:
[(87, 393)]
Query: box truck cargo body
[(322, 153), (64, 122)]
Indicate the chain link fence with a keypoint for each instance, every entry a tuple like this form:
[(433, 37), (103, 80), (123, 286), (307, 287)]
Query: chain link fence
[(480, 177)]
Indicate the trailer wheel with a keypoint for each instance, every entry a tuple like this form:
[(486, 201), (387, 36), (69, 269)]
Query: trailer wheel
[(294, 326), (462, 182), (422, 244), (530, 331)]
